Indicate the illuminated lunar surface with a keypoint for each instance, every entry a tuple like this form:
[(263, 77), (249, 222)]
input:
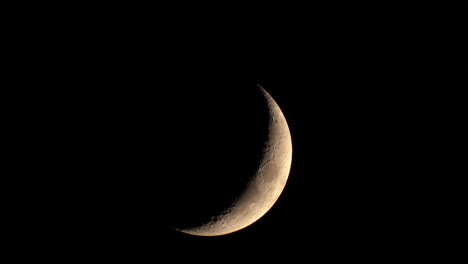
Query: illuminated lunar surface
[(264, 187)]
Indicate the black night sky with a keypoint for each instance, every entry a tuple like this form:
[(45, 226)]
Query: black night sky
[(145, 102), (175, 129)]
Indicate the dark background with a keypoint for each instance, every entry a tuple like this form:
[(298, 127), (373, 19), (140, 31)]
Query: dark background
[(121, 94)]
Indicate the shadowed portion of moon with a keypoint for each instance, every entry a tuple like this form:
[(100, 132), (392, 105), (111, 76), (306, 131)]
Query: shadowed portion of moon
[(235, 163)]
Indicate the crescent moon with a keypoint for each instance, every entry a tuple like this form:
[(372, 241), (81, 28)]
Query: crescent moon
[(266, 185)]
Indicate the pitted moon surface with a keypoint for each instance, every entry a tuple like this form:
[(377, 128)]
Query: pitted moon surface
[(264, 187)]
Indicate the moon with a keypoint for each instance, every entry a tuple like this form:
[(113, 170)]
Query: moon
[(264, 187)]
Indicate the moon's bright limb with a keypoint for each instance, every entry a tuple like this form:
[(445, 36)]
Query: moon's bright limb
[(264, 188)]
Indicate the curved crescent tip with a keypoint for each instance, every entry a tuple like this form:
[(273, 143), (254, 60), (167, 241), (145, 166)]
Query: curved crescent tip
[(263, 90)]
